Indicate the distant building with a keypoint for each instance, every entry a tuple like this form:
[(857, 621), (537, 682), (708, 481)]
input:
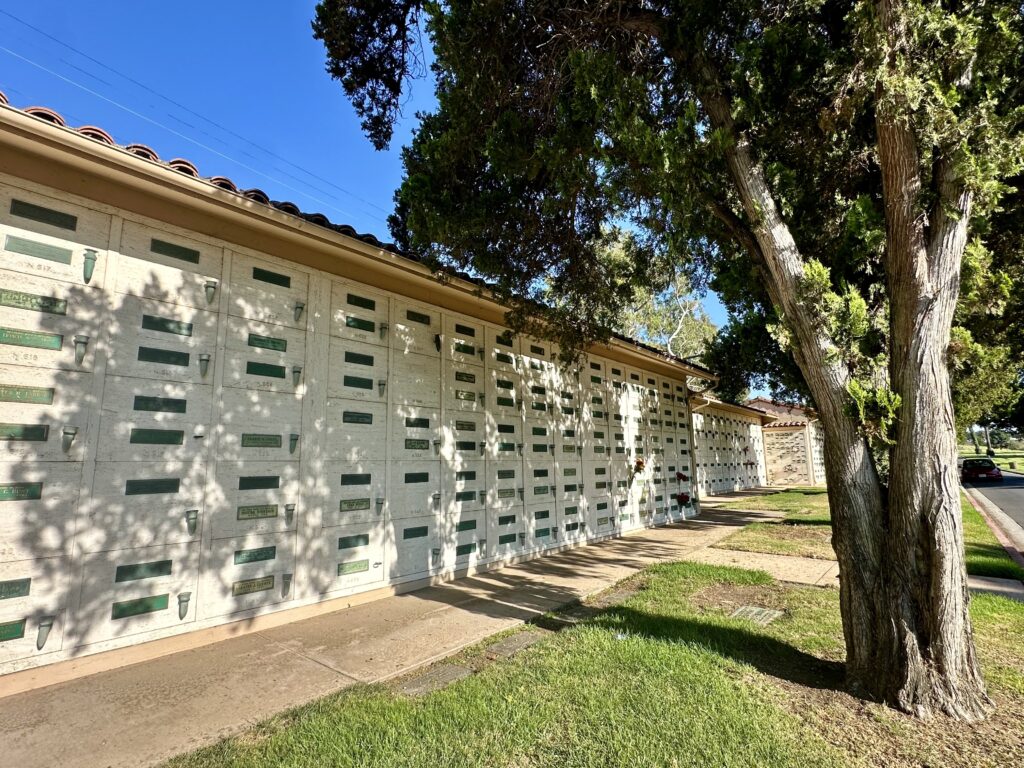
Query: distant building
[(794, 445)]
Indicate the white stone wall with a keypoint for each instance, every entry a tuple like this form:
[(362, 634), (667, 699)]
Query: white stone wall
[(786, 456), (196, 433), (729, 451)]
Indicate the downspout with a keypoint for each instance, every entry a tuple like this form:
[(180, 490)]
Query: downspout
[(810, 452), (693, 437)]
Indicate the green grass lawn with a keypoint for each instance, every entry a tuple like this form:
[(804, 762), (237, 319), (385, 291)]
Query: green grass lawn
[(805, 532), (663, 678)]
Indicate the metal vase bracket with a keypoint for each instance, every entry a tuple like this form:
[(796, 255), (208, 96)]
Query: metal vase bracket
[(296, 375), (299, 307), (293, 442), (81, 343), (204, 364), (211, 290), (89, 264), (191, 521), (384, 330), (183, 601), (43, 630), (289, 513), (67, 437)]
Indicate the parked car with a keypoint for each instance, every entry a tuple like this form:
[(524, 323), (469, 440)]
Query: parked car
[(980, 469)]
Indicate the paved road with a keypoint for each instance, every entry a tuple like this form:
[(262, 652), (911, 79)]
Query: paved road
[(1007, 495)]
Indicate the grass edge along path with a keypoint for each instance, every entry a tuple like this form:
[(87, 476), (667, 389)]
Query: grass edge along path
[(804, 532)]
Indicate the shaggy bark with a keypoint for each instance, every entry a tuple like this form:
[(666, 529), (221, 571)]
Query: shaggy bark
[(903, 588)]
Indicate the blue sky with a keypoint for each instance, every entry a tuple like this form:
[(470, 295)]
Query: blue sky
[(237, 88)]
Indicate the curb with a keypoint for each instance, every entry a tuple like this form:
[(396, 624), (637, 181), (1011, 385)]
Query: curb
[(996, 529)]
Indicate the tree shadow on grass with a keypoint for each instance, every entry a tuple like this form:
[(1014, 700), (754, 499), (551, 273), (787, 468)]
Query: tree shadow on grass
[(731, 641)]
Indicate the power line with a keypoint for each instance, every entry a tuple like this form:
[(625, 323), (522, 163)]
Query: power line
[(186, 109)]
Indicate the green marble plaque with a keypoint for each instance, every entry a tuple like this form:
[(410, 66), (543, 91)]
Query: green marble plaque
[(465, 495), (163, 356), (10, 393), (506, 474), (465, 396), (354, 541), (417, 317), (36, 433), (274, 278), (180, 252), (254, 440), (352, 505), (542, 533), (258, 482), (19, 338), (465, 474), (12, 630), (33, 302), (250, 586), (361, 479), (417, 477), (572, 527), (256, 512), (243, 556), (507, 520), (44, 215), (501, 357), (21, 491), (138, 607), (160, 404), (358, 382), (466, 349), (138, 571), (360, 301), (268, 342), (506, 402), (541, 515), (418, 532), (465, 330), (465, 525), (37, 250), (166, 325), (357, 359), (467, 378), (157, 436), (15, 588), (356, 566), (417, 423), (355, 417), (265, 369), (506, 493), (507, 538), (416, 445), (465, 426), (464, 549), (158, 485), (359, 324)]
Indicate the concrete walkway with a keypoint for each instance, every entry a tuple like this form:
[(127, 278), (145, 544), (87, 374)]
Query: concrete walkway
[(142, 714)]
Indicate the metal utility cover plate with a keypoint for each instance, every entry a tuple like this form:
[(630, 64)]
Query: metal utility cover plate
[(760, 616)]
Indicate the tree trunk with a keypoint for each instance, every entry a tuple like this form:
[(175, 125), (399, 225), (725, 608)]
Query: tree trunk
[(988, 440), (974, 439), (903, 586), (927, 633)]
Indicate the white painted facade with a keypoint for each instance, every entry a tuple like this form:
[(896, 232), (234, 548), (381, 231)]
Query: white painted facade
[(729, 448), (196, 432)]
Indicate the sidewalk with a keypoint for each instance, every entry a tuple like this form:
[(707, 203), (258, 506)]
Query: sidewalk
[(825, 573), (142, 714)]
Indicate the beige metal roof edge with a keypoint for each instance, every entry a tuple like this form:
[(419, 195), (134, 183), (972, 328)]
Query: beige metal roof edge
[(766, 418), (42, 152)]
